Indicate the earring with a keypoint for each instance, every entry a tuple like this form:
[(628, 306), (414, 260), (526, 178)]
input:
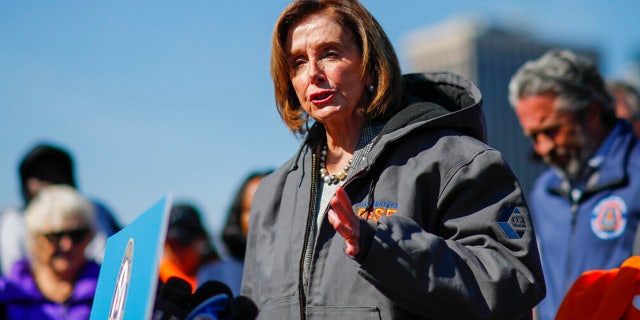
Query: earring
[(371, 87)]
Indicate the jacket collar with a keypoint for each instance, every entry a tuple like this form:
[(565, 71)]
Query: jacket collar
[(608, 165)]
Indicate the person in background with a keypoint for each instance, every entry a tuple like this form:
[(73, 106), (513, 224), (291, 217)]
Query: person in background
[(393, 207), (627, 103), (234, 235), (43, 165), (585, 207), (187, 246), (56, 281)]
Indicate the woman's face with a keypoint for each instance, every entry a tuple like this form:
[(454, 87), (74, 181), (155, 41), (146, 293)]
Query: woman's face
[(324, 63), (62, 250), (247, 200)]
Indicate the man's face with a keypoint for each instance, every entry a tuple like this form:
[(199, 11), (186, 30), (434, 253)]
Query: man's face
[(557, 136)]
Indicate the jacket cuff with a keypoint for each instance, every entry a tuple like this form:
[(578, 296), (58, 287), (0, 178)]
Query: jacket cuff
[(367, 232)]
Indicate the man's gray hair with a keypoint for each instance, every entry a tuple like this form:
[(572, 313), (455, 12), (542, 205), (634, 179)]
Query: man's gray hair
[(573, 79)]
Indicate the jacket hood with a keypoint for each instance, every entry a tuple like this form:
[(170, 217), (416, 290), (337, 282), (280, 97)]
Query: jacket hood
[(440, 101)]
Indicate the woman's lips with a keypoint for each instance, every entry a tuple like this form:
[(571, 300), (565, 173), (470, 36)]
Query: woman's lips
[(321, 97)]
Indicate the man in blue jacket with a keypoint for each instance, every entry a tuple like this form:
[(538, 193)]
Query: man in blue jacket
[(585, 208)]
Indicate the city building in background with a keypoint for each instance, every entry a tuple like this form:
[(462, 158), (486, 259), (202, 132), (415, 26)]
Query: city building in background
[(633, 71), (488, 55)]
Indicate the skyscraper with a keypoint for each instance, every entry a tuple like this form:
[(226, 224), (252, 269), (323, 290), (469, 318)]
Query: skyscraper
[(488, 55)]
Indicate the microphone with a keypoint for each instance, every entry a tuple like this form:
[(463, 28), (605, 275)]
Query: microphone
[(173, 300), (243, 308), (213, 300), (210, 301)]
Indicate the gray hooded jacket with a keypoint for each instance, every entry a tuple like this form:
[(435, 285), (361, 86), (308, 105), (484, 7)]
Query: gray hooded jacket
[(445, 230)]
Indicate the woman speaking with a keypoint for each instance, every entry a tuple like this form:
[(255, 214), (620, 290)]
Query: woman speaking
[(393, 207)]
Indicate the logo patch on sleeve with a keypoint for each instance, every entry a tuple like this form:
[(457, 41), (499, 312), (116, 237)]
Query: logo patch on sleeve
[(609, 218), (511, 220)]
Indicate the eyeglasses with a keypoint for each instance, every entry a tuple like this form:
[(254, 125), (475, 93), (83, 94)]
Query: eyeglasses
[(76, 235)]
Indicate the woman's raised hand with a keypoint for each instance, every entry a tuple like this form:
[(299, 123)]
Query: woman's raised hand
[(345, 221)]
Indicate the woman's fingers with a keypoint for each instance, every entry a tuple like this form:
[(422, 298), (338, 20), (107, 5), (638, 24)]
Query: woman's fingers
[(344, 221)]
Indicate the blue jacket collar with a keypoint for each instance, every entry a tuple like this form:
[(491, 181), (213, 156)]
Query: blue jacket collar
[(609, 163)]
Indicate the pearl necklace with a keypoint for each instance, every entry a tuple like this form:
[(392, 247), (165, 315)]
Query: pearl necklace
[(324, 173)]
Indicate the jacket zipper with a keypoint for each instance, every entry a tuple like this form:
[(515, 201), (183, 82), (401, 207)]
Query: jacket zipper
[(65, 309), (575, 198), (314, 175), (301, 296)]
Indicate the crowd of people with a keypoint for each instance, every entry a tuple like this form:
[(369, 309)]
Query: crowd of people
[(393, 207), (51, 248)]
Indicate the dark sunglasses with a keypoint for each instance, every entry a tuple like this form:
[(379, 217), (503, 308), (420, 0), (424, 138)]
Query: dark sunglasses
[(76, 235)]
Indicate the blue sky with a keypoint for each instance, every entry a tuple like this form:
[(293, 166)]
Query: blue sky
[(175, 96)]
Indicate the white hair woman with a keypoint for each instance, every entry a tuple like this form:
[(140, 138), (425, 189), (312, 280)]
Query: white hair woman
[(57, 281)]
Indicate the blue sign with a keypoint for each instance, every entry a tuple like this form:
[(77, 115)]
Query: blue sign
[(129, 273)]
